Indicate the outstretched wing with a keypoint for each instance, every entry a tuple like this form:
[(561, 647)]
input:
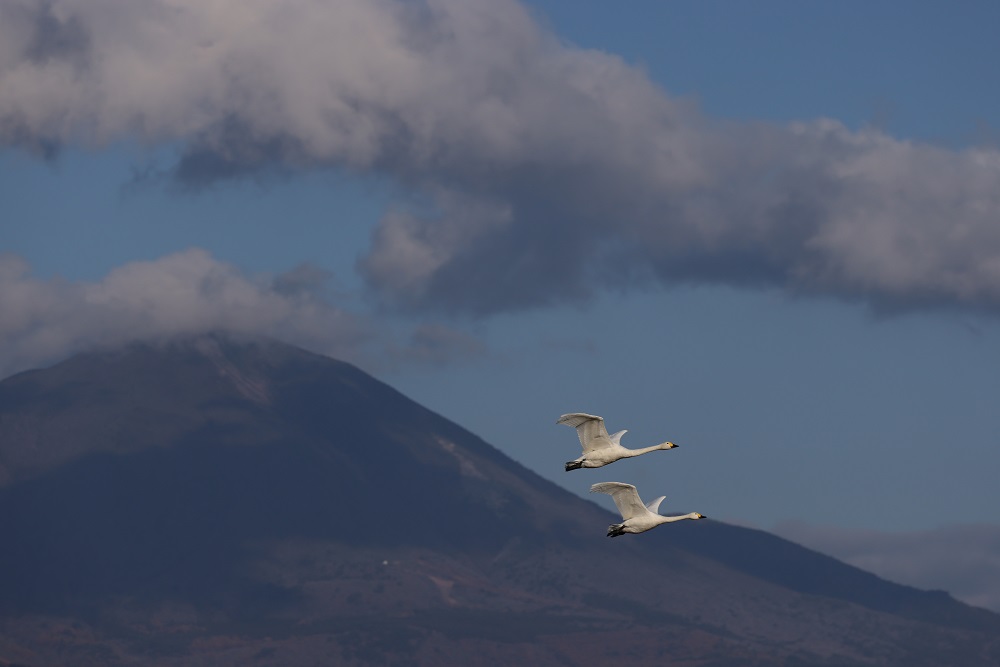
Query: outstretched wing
[(589, 428), (654, 504), (625, 496)]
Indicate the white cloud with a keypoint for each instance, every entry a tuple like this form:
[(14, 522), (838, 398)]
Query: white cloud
[(184, 293), (190, 293), (543, 171), (963, 559)]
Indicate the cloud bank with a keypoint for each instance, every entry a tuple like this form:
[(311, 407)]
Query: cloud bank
[(536, 172), (963, 560), (184, 293)]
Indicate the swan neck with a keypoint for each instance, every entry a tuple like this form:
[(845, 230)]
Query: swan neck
[(644, 450)]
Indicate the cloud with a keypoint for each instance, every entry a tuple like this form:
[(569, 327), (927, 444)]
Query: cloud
[(303, 280), (189, 293), (438, 345), (963, 560), (536, 172), (184, 293)]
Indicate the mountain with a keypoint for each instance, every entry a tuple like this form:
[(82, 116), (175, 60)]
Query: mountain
[(216, 501)]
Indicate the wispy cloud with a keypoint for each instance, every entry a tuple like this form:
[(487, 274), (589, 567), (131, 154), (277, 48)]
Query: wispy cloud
[(436, 344), (541, 172), (963, 560)]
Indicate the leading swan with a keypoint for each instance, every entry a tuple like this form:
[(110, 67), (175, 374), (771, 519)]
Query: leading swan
[(638, 518), (599, 448)]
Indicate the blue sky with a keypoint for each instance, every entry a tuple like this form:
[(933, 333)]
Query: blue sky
[(563, 227)]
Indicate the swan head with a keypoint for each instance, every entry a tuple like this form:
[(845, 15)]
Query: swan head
[(667, 445), (697, 515)]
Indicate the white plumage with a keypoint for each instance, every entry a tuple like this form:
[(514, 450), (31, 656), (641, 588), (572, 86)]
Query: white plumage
[(599, 448), (638, 518)]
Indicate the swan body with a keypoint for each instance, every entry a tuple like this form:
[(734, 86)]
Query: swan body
[(638, 518), (599, 448)]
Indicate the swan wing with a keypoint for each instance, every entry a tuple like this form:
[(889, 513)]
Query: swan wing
[(654, 504), (617, 437), (589, 428), (625, 496)]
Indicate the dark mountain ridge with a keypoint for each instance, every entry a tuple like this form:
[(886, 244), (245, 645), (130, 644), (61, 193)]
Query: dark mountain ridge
[(215, 499)]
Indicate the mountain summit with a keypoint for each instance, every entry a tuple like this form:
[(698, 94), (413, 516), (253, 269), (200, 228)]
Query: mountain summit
[(219, 501)]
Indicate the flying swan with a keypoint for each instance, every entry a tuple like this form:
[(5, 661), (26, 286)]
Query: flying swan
[(638, 517), (600, 449)]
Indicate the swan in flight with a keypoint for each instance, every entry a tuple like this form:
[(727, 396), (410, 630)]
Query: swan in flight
[(599, 448), (638, 518)]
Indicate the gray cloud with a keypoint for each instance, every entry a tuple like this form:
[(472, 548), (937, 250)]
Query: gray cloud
[(51, 37), (540, 172), (303, 280), (184, 293), (432, 343), (963, 560)]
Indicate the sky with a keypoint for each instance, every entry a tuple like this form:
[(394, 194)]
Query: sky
[(768, 232)]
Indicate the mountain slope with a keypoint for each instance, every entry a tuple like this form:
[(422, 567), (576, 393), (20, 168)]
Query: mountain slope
[(219, 501)]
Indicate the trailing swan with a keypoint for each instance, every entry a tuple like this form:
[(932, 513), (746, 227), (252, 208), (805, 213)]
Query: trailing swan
[(638, 518), (599, 448)]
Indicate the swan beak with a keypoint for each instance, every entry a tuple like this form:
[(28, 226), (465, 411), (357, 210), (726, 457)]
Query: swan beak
[(702, 516)]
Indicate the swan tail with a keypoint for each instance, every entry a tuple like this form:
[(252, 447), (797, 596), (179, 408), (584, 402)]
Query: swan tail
[(616, 529), (573, 465)]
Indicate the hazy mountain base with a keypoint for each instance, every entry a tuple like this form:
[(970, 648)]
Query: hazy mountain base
[(380, 641), (317, 603), (223, 503)]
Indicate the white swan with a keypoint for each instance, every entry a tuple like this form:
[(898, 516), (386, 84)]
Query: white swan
[(638, 518), (599, 448)]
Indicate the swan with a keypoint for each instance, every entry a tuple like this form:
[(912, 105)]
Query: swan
[(599, 448), (638, 517)]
